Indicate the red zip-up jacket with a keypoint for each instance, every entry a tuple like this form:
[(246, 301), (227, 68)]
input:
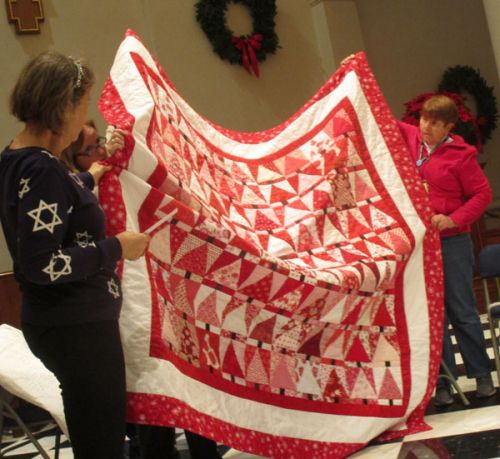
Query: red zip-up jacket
[(457, 185)]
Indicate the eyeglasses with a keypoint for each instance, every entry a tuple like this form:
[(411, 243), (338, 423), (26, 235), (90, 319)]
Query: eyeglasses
[(91, 149)]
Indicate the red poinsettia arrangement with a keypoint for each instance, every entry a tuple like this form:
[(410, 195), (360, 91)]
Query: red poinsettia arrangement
[(467, 126)]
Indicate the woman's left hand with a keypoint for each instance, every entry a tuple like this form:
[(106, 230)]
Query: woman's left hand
[(97, 170), (116, 142), (442, 222)]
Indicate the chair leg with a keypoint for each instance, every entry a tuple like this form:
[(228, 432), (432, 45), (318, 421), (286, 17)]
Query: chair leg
[(57, 446), (36, 443), (494, 326), (447, 375), (6, 397), (1, 430)]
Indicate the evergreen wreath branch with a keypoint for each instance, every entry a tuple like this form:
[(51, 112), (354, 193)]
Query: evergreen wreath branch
[(464, 78), (211, 15)]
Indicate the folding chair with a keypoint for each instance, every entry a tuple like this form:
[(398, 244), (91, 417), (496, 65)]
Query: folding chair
[(8, 412), (24, 376), (489, 269), (446, 374)]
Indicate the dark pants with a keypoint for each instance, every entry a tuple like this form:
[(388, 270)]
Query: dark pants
[(87, 360), (159, 443), (460, 307)]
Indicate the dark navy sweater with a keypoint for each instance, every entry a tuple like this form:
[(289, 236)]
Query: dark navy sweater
[(55, 231)]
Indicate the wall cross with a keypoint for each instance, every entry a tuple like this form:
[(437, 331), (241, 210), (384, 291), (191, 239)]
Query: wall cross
[(25, 14)]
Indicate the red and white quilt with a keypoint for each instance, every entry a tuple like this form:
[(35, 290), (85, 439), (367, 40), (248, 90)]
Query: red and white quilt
[(290, 301)]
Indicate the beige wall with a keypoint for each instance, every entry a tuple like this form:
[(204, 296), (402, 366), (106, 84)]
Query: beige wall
[(225, 93), (412, 42), (408, 43)]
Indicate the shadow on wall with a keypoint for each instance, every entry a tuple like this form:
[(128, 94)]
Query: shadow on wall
[(303, 54), (5, 259), (289, 88), (281, 90)]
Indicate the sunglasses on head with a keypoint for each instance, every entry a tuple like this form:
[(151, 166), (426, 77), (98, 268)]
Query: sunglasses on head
[(91, 149)]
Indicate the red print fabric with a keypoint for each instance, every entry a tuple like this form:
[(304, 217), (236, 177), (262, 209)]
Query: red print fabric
[(290, 302)]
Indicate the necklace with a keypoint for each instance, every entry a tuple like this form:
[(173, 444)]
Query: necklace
[(421, 158)]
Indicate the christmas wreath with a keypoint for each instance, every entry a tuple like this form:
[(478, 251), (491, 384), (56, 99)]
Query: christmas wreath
[(464, 78), (475, 129), (246, 50)]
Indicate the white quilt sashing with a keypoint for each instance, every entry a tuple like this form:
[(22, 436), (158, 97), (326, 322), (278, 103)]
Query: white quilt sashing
[(290, 303)]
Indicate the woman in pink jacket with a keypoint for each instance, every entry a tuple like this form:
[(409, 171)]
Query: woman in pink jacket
[(459, 193)]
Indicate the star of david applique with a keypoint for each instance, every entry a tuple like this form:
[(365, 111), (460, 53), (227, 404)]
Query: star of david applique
[(48, 210), (59, 265), (24, 187), (77, 179), (70, 210), (84, 240), (113, 288)]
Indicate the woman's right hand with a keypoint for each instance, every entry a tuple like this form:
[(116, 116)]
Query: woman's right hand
[(133, 244)]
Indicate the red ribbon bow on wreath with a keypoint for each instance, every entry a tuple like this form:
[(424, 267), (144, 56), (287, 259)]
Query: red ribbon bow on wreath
[(248, 46)]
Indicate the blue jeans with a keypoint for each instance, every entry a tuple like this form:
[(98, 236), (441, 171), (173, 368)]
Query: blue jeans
[(460, 308)]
